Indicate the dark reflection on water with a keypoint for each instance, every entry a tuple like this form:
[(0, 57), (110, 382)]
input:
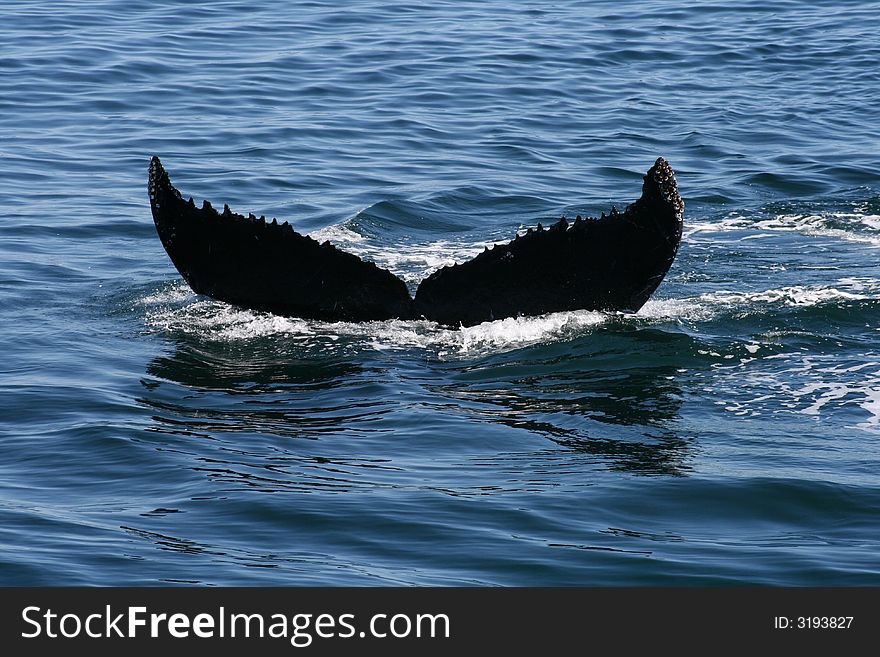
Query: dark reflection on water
[(667, 454), (246, 401), (591, 402), (250, 366), (254, 387), (250, 403), (165, 542)]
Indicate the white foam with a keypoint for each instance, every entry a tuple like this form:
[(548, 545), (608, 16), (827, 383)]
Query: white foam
[(730, 223), (338, 234), (825, 394), (523, 331), (858, 227), (860, 284), (872, 221), (220, 321), (801, 384), (660, 310), (789, 296), (711, 304), (176, 292), (871, 404)]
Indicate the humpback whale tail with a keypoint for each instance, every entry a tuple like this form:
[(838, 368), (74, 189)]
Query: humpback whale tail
[(611, 263)]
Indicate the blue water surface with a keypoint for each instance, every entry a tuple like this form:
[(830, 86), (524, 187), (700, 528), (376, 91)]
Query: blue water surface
[(726, 434)]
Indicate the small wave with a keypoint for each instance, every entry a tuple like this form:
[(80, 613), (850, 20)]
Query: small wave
[(710, 305), (675, 309), (523, 331), (858, 227), (787, 296)]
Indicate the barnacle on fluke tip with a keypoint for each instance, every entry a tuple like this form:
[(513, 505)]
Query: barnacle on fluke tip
[(611, 263)]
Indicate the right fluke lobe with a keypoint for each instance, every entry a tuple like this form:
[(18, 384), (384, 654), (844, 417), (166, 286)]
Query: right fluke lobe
[(614, 263)]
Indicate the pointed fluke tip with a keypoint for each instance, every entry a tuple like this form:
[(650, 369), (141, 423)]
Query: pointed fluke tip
[(157, 171), (155, 178), (156, 167), (660, 181)]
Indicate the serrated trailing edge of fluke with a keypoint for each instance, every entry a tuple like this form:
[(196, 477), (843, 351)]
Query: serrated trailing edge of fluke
[(660, 187), (160, 180), (611, 263)]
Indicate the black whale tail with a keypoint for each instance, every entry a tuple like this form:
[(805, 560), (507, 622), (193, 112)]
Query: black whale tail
[(611, 263)]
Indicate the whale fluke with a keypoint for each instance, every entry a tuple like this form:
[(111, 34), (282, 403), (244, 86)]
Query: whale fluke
[(613, 263), (269, 267)]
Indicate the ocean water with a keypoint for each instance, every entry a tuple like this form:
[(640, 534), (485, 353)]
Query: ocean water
[(726, 434)]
